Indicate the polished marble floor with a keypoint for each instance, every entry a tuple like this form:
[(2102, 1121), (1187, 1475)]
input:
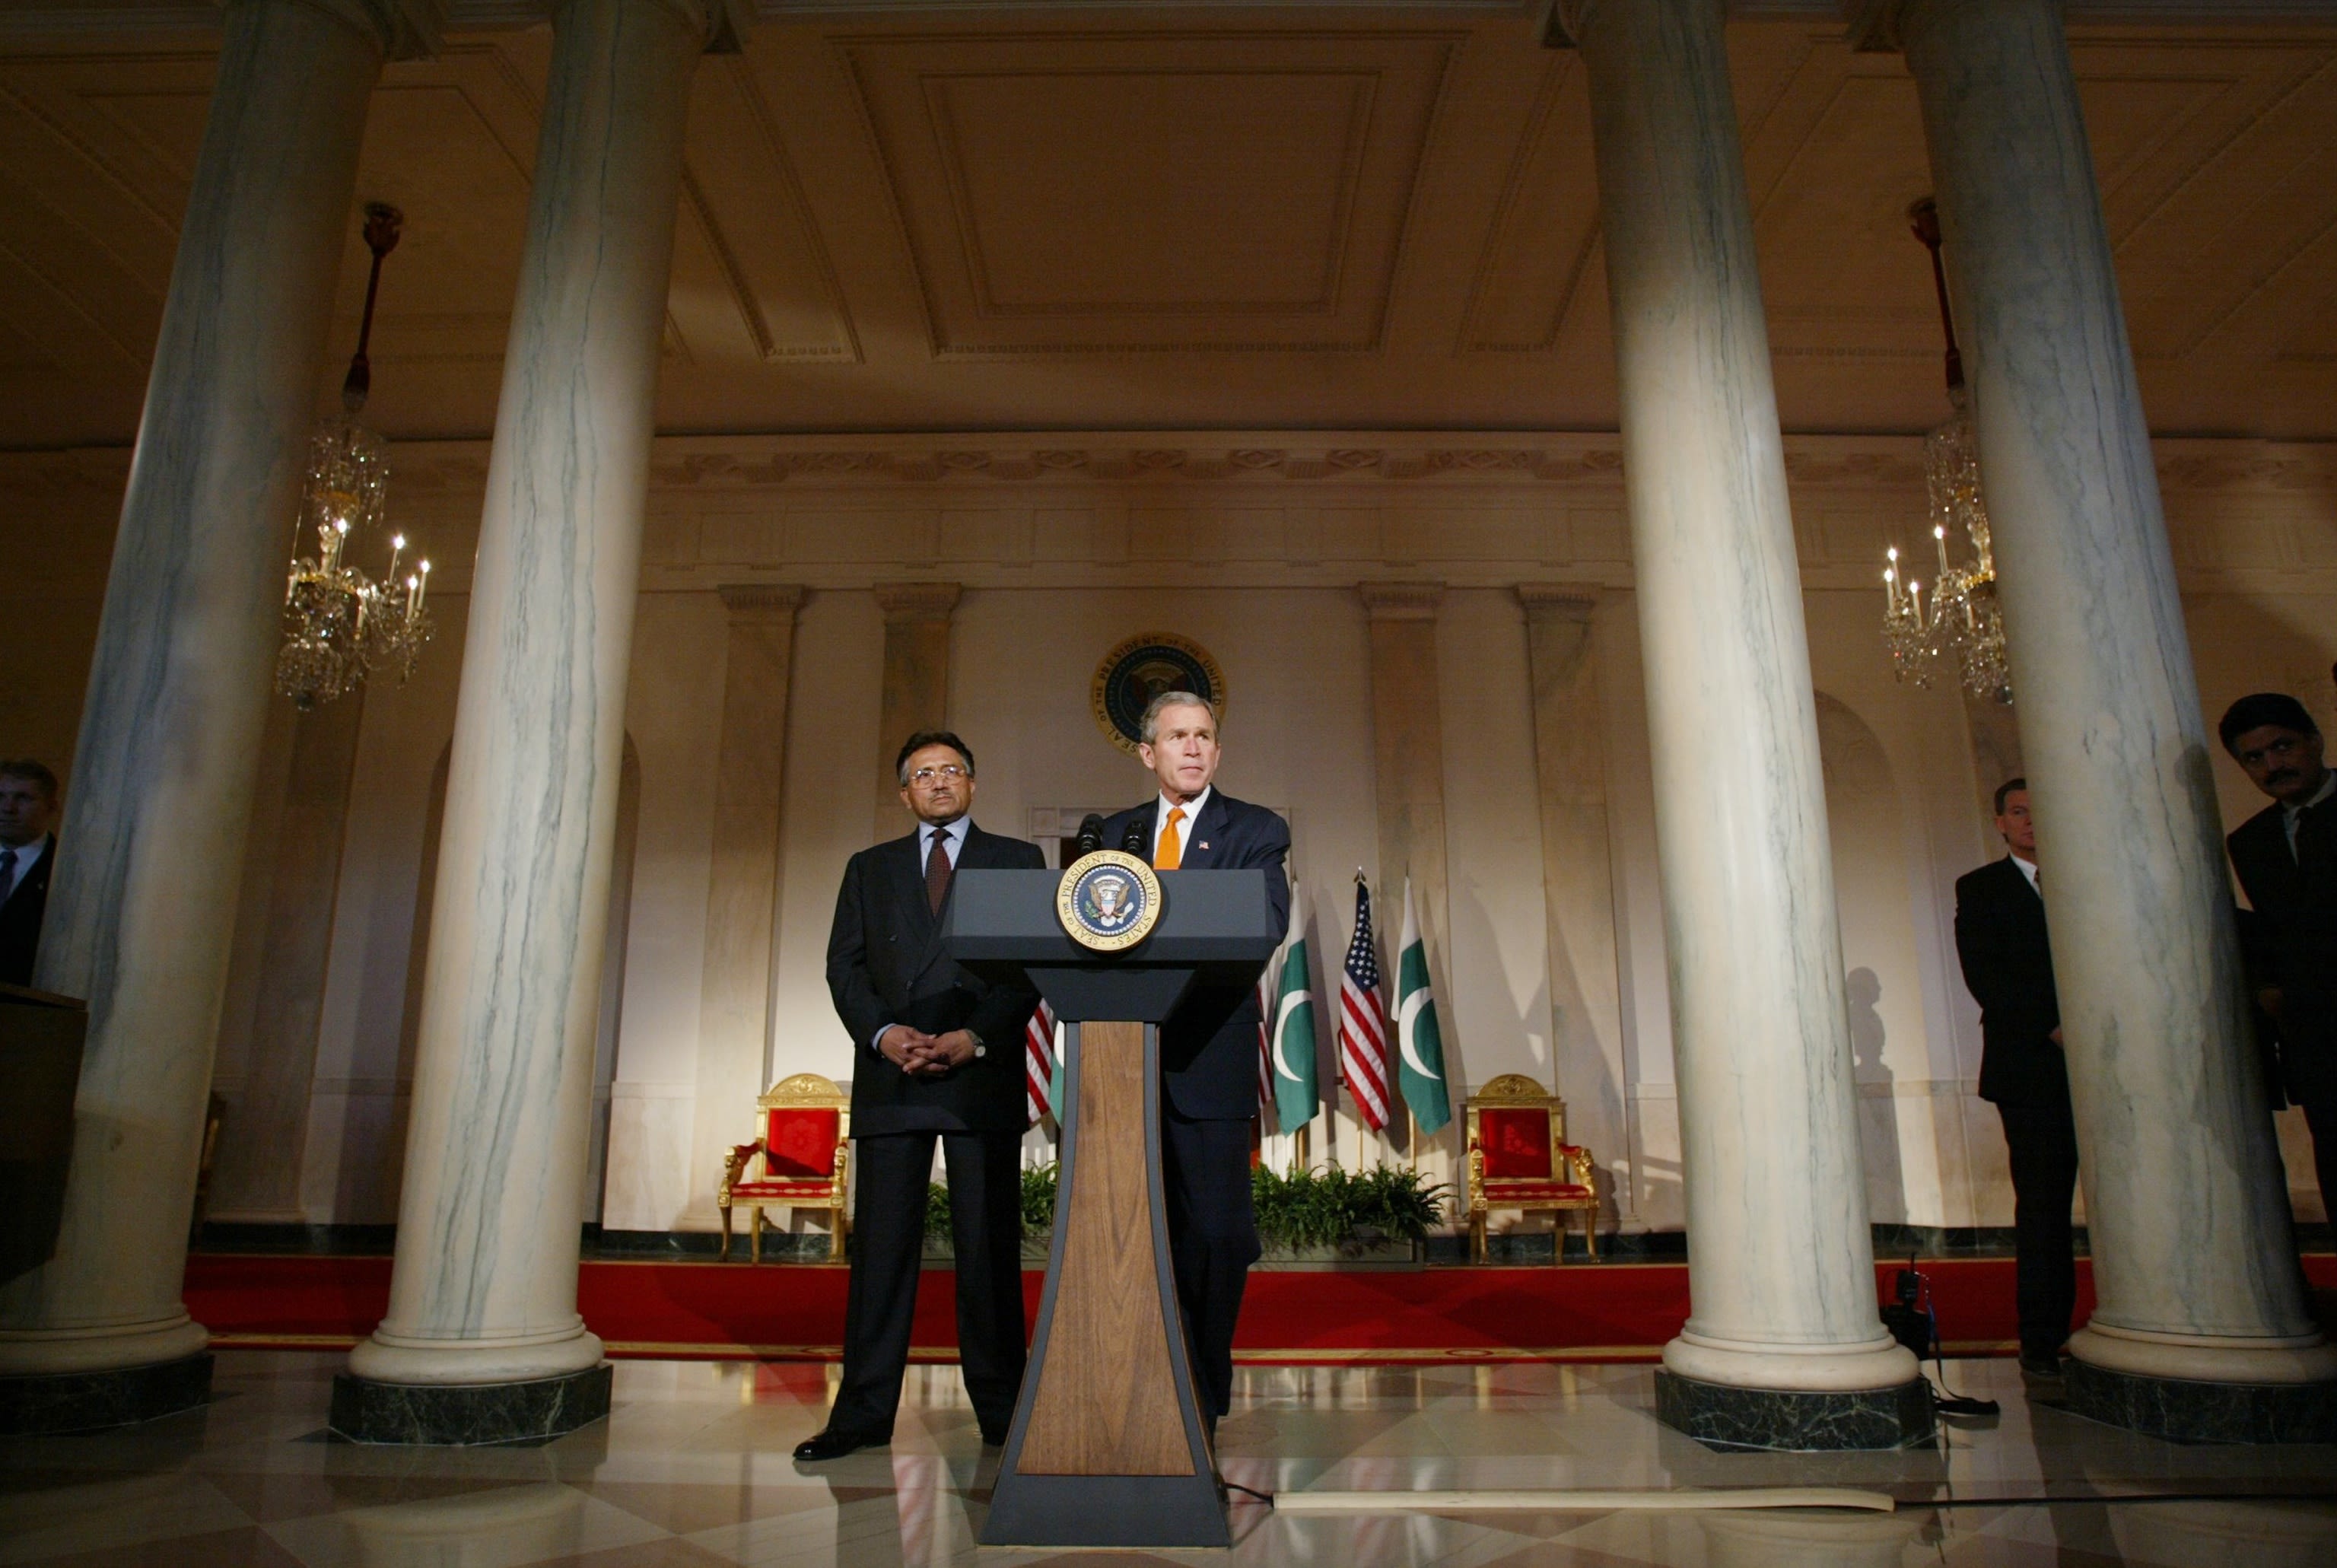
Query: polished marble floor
[(693, 1468)]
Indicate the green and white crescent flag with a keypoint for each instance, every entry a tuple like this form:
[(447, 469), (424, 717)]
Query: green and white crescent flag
[(1292, 1036), (1422, 1044)]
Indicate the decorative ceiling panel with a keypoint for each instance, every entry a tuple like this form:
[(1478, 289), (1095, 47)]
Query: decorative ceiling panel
[(1545, 235), (1153, 191), (753, 279)]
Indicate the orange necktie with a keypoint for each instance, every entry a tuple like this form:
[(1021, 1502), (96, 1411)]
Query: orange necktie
[(1171, 852)]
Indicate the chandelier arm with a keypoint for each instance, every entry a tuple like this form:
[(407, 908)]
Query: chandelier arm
[(383, 223), (1924, 217)]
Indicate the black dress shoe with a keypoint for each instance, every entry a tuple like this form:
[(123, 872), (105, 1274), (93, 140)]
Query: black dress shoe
[(836, 1442), (2040, 1364), (994, 1437)]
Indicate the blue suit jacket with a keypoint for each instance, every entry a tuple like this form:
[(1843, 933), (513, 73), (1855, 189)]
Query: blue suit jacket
[(1208, 1047)]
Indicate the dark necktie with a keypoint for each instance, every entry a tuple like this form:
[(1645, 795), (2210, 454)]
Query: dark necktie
[(7, 873), (937, 871)]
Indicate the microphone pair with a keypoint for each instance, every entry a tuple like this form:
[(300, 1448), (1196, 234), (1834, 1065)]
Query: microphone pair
[(1090, 839)]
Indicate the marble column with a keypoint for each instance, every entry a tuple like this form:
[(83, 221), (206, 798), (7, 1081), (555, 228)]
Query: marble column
[(2194, 1272), (742, 888), (915, 693), (1783, 1345), (142, 910), (483, 1298), (265, 1132), (1586, 1008), (1408, 772)]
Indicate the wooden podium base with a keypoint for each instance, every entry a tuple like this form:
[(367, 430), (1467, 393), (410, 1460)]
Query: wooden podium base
[(1108, 1447)]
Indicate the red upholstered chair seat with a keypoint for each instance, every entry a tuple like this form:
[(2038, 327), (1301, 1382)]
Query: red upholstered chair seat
[(1516, 1142), (800, 1142), (801, 1186), (1534, 1192)]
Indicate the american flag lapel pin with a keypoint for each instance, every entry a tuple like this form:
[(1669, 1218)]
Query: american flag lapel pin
[(1204, 844)]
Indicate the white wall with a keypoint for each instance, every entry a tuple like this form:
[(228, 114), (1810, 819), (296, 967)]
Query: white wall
[(1258, 561)]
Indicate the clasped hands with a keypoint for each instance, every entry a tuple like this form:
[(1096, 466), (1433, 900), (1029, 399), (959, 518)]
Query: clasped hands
[(924, 1056)]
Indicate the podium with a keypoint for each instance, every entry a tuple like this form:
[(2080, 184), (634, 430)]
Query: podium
[(1108, 1447), (40, 1073)]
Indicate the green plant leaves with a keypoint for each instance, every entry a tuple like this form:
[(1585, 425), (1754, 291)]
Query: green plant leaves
[(1323, 1208)]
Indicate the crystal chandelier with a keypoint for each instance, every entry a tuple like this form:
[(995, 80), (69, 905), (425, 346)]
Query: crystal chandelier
[(340, 624), (1961, 623)]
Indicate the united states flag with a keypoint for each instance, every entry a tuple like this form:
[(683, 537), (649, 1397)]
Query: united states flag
[(1363, 1021), (1265, 1048), (1037, 1059)]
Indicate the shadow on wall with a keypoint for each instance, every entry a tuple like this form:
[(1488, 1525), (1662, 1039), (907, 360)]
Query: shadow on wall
[(1878, 1106)]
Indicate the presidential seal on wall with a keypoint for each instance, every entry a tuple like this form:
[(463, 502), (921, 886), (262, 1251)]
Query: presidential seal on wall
[(1133, 673), (1107, 900)]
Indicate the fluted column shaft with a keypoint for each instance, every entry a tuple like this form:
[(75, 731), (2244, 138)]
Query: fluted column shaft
[(485, 1286), (151, 854), (1780, 1260), (2194, 1266)]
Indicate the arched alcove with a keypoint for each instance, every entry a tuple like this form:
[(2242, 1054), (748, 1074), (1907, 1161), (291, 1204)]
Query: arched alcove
[(1882, 975)]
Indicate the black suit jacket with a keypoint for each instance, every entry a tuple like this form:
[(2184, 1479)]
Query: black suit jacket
[(20, 918), (885, 966), (1208, 1047), (2007, 965), (2295, 937)]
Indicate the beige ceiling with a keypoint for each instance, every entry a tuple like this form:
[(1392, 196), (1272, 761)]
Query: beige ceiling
[(1163, 219)]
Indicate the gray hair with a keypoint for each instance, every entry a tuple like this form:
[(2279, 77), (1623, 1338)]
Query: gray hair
[(1149, 729)]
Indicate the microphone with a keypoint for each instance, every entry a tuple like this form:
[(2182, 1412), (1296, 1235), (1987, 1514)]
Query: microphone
[(1132, 842), (1091, 837)]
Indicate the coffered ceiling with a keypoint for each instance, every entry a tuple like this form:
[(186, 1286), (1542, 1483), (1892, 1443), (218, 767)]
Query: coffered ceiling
[(1165, 217)]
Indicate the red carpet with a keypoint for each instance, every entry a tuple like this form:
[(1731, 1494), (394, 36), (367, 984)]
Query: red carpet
[(777, 1312)]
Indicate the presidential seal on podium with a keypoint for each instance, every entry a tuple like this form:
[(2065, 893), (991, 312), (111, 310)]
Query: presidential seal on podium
[(1107, 900)]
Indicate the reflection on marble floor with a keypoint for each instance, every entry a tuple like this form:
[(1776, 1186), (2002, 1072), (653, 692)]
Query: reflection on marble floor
[(693, 1468)]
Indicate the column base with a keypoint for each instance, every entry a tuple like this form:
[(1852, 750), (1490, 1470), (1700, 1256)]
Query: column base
[(462, 1414), (1722, 1417), (49, 1404), (2183, 1411)]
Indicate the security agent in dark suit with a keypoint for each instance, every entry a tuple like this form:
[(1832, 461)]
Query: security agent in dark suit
[(28, 850), (939, 1057), (2007, 965), (1208, 1047), (2285, 856)]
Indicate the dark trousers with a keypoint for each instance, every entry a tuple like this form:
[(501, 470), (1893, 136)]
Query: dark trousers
[(2043, 1144), (888, 1230), (2321, 1115), (1212, 1241)]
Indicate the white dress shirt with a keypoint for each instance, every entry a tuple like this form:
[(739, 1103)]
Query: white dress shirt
[(952, 833), (2291, 815), (953, 837), (1192, 809), (2028, 869), (29, 856)]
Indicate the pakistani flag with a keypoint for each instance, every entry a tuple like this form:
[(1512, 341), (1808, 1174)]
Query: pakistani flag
[(1293, 1027), (1422, 1075)]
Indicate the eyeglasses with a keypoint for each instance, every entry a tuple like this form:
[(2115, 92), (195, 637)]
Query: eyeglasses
[(946, 770)]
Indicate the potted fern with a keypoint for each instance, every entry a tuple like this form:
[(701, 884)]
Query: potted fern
[(1038, 1216), (1335, 1218)]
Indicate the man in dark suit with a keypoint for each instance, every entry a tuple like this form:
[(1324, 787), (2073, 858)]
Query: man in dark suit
[(2285, 856), (938, 1055), (1208, 1047), (28, 814), (2008, 965)]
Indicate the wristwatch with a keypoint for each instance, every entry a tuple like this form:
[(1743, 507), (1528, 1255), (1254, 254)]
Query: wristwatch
[(979, 1049)]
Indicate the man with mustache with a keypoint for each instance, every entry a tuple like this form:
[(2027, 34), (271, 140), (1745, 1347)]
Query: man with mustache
[(938, 1056), (2285, 856)]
